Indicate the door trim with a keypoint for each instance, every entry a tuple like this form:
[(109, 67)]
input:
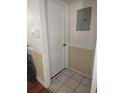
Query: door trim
[(44, 41), (94, 77), (45, 47), (67, 40)]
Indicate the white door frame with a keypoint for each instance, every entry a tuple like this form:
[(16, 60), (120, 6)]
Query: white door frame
[(45, 54), (94, 76), (45, 47)]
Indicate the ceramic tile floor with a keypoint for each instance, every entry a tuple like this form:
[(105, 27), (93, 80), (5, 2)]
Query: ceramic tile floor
[(69, 81)]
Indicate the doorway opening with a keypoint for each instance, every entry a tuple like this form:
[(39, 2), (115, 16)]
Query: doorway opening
[(71, 50), (56, 37)]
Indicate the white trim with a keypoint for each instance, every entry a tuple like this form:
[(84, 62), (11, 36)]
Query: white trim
[(80, 46), (58, 2), (94, 80), (80, 73), (44, 41), (41, 81), (66, 36)]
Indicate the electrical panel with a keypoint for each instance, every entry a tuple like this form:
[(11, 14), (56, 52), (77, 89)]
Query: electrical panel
[(83, 19)]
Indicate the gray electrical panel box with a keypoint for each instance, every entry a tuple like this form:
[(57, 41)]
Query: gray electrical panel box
[(83, 19)]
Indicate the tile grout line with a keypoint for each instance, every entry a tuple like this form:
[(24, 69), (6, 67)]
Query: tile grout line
[(82, 79), (77, 86), (66, 82), (73, 90), (70, 77), (55, 78), (62, 82), (60, 87), (85, 85)]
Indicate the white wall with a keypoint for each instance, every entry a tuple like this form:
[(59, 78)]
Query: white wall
[(94, 79), (33, 22), (82, 39)]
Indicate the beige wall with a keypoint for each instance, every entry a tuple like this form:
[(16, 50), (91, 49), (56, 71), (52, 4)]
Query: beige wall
[(37, 58), (82, 43), (81, 60)]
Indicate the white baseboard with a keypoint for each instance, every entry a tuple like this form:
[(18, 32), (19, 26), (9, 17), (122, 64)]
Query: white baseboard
[(80, 73), (41, 81)]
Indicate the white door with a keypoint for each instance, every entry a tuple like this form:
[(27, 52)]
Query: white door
[(55, 16)]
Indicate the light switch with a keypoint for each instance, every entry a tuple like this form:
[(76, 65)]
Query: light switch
[(35, 32)]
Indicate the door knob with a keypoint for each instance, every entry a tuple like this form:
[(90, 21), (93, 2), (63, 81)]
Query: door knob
[(64, 44)]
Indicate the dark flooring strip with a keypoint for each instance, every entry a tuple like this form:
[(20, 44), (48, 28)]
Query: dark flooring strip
[(36, 87)]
